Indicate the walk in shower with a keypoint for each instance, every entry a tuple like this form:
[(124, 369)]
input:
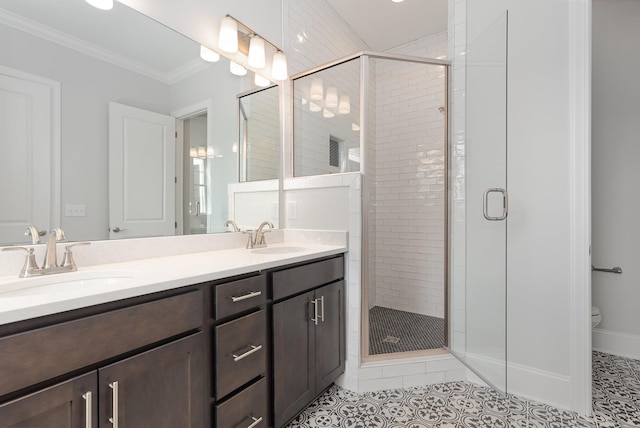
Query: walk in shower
[(385, 115)]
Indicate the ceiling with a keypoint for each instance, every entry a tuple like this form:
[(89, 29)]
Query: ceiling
[(383, 24)]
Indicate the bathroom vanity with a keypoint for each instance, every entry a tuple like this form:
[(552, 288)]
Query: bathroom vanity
[(250, 347)]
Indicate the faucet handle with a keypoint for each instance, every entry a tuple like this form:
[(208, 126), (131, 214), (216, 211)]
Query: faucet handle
[(30, 266), (250, 242), (67, 259)]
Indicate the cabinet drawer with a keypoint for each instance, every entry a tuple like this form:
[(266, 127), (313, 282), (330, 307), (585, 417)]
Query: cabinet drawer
[(237, 296), (241, 352), (299, 279), (245, 409), (35, 356)]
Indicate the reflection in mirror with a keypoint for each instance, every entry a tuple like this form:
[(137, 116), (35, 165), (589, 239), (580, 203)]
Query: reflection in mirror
[(326, 120), (259, 133), (70, 61)]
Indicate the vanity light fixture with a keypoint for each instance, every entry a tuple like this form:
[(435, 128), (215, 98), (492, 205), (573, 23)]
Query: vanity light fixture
[(313, 107), (355, 127), (237, 69), (101, 4), (237, 37), (261, 81), (209, 55), (228, 38), (256, 53), (332, 97)]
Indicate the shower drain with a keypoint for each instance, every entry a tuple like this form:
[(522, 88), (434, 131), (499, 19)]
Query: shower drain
[(391, 339)]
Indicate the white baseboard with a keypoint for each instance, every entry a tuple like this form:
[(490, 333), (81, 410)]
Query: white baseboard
[(527, 382), (613, 342)]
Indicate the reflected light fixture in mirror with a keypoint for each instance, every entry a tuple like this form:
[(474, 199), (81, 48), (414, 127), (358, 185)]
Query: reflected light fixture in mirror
[(313, 107), (101, 4), (316, 93), (237, 69), (345, 104), (261, 81), (209, 55), (250, 43), (332, 97)]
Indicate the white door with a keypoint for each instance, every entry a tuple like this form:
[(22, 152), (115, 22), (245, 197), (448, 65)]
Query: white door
[(25, 158), (141, 173)]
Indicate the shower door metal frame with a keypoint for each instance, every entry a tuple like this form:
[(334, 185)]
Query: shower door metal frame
[(364, 163), (364, 101)]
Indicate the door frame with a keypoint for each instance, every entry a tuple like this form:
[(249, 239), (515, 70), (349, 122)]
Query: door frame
[(181, 115), (580, 205)]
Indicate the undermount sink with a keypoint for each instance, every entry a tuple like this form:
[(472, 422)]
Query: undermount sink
[(278, 250), (63, 283)]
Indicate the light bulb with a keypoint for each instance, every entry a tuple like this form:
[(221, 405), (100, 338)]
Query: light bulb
[(279, 66), (328, 114), (208, 55), (256, 53), (314, 107), (101, 4), (228, 39), (316, 93), (332, 97), (237, 69), (261, 81), (345, 104)]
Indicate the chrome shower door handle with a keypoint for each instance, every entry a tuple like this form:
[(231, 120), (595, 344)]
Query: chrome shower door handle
[(505, 204)]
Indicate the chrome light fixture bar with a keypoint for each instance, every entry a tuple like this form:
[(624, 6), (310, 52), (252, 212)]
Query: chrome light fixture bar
[(237, 37)]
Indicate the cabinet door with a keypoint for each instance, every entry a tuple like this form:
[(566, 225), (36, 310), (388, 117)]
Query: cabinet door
[(67, 404), (162, 387), (293, 361), (330, 335)]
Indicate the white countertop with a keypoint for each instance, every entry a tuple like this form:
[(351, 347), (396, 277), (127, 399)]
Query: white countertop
[(25, 298)]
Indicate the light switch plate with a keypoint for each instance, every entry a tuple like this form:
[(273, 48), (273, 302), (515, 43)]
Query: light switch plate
[(74, 210)]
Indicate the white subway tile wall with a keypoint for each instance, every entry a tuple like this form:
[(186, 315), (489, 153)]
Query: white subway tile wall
[(407, 206)]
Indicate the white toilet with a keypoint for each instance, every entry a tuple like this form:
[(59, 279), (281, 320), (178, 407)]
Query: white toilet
[(595, 316)]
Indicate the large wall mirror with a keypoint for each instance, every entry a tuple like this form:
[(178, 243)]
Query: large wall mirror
[(117, 121)]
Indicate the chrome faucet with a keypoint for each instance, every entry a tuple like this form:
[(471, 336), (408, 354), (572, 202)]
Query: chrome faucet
[(32, 231), (50, 264), (259, 239), (232, 223)]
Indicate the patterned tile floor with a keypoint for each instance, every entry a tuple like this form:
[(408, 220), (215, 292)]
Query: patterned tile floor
[(616, 403)]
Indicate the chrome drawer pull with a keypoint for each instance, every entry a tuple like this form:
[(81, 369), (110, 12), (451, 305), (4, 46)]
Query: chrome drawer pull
[(253, 349), (255, 422), (314, 302), (249, 295), (87, 409), (321, 308), (114, 418)]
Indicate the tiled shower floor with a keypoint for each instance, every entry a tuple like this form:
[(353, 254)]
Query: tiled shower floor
[(616, 403)]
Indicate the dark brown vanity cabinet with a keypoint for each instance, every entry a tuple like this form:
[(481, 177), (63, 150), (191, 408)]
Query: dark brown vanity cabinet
[(240, 353), (308, 334), (141, 366)]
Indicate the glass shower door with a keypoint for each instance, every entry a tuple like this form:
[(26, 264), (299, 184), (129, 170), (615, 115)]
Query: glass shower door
[(479, 290)]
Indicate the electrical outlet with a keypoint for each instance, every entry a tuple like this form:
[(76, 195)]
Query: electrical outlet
[(74, 210)]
